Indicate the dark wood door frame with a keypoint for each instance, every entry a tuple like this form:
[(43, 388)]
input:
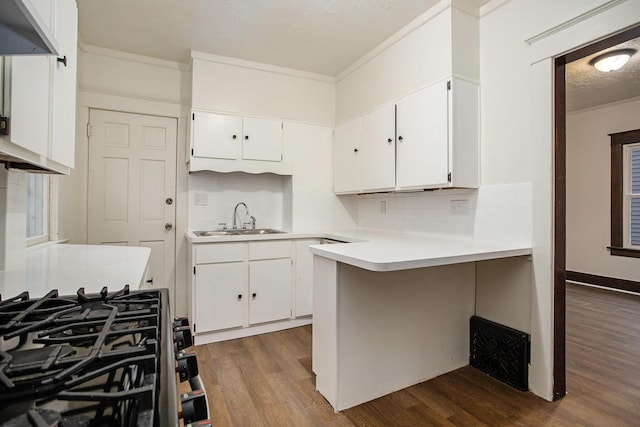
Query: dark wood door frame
[(560, 202)]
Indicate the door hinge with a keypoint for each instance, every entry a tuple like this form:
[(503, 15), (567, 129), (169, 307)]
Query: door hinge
[(448, 84), (4, 125), (91, 130), (449, 177), (194, 269)]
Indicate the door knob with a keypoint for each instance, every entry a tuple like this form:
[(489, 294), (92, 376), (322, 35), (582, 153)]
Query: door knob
[(169, 201), (168, 226)]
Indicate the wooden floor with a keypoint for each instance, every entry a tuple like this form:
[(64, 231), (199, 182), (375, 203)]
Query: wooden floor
[(266, 380)]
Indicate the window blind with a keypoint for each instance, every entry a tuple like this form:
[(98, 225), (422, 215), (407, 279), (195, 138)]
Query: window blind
[(635, 197)]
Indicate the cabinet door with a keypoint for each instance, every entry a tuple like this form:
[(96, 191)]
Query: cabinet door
[(423, 138), (220, 296), (304, 278), (216, 135), (378, 159), (270, 287), (262, 139), (347, 157), (64, 84)]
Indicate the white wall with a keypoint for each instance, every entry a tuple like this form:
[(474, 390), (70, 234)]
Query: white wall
[(13, 219), (229, 85), (589, 189)]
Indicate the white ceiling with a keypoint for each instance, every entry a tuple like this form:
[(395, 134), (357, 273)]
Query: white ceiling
[(321, 36), (588, 87)]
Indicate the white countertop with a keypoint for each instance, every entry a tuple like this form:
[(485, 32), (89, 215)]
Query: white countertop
[(69, 267), (389, 251)]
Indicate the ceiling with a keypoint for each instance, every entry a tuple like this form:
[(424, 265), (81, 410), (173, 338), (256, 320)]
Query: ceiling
[(588, 87), (320, 36)]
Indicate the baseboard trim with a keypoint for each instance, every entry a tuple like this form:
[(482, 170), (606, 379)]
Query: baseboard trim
[(603, 281)]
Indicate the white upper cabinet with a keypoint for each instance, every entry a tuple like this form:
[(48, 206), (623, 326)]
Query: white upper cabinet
[(428, 139), (423, 143), (347, 145), (262, 139), (217, 136), (377, 167), (41, 97), (228, 143), (64, 84)]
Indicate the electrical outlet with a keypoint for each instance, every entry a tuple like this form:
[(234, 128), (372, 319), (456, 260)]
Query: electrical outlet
[(200, 199), (459, 207), (383, 207)]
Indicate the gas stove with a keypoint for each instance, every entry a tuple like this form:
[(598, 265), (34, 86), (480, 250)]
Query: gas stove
[(105, 359)]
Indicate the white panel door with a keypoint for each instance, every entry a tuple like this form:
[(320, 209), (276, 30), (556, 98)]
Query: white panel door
[(270, 288), (216, 135), (423, 138), (378, 157), (220, 296), (64, 84), (347, 157), (132, 185), (262, 139)]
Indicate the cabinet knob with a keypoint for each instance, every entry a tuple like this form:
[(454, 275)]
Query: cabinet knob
[(254, 295), (233, 136), (246, 137), (239, 296), (355, 150), (63, 60), (389, 140), (400, 138)]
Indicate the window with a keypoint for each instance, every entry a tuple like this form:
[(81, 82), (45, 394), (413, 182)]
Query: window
[(37, 208), (625, 193)]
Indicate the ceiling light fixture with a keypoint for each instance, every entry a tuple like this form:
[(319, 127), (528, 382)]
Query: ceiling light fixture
[(613, 60)]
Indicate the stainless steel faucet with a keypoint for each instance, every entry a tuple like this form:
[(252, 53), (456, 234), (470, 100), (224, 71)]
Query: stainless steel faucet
[(246, 209)]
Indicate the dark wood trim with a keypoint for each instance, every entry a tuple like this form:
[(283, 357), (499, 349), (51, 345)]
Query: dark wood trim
[(602, 44), (618, 251), (618, 141), (559, 262), (559, 249), (606, 282)]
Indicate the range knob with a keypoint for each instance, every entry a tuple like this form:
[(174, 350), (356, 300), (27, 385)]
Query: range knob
[(182, 333), (187, 366), (194, 406)]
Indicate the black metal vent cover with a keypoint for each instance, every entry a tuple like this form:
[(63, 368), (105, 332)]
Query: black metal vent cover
[(500, 351)]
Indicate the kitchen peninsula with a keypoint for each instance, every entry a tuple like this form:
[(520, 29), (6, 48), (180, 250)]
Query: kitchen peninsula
[(393, 309)]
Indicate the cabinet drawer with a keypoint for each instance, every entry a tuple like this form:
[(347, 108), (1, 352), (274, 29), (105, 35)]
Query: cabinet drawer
[(227, 252), (270, 250)]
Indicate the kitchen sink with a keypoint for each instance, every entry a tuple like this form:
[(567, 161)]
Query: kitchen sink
[(243, 232)]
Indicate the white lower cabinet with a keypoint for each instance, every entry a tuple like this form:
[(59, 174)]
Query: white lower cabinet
[(241, 285), (270, 290)]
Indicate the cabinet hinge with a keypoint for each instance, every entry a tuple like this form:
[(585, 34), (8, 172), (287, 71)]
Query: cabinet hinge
[(194, 269), (448, 84), (91, 130), (4, 125), (449, 177)]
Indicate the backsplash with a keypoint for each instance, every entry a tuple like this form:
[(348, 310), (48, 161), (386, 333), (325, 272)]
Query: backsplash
[(213, 196), (496, 212), (13, 213)]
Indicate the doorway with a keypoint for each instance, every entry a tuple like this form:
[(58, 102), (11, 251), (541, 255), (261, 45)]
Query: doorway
[(560, 199), (132, 186)]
